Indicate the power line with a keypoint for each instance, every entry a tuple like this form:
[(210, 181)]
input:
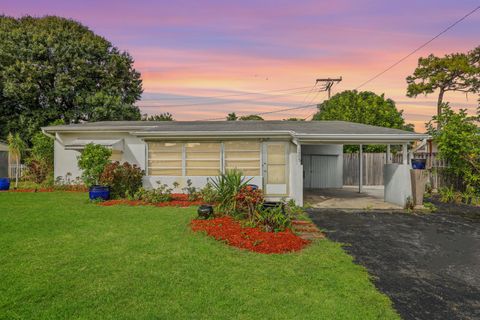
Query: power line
[(419, 48), (235, 94), (225, 102), (268, 112)]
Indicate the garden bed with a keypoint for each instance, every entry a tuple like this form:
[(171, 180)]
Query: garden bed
[(253, 239), (178, 200)]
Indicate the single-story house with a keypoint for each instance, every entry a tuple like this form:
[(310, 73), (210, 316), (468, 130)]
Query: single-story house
[(4, 162), (282, 157)]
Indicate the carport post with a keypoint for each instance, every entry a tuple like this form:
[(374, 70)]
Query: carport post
[(360, 168), (404, 154), (389, 154)]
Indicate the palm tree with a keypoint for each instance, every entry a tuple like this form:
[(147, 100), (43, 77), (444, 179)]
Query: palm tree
[(16, 147)]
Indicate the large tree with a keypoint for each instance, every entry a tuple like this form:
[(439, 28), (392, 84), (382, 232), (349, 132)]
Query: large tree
[(453, 72), (362, 107), (53, 68)]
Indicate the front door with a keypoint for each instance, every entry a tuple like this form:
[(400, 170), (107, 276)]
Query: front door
[(276, 168)]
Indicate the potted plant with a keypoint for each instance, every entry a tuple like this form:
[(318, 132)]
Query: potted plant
[(92, 161), (209, 196)]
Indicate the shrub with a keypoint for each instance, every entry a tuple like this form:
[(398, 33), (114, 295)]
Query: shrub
[(69, 184), (123, 179), (227, 185), (273, 219), (447, 194), (248, 201), (192, 192), (208, 194), (37, 171), (92, 161), (161, 194)]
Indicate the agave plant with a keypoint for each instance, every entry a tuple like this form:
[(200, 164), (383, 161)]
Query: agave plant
[(228, 185)]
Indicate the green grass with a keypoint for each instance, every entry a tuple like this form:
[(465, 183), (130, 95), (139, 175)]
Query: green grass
[(63, 257)]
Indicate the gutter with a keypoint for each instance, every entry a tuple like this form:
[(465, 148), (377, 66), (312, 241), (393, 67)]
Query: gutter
[(47, 134)]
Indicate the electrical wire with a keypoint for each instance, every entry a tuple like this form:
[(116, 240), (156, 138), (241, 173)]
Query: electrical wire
[(418, 48), (225, 102)]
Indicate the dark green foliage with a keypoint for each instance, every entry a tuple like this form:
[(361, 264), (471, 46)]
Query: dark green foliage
[(251, 117), (453, 72), (458, 141), (209, 194), (53, 68), (191, 191), (166, 116), (92, 161), (273, 219), (363, 107), (232, 116), (123, 179), (227, 185), (161, 194)]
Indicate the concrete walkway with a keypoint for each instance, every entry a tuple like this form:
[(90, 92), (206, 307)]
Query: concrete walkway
[(348, 198)]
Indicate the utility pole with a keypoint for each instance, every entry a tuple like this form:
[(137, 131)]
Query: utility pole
[(329, 82)]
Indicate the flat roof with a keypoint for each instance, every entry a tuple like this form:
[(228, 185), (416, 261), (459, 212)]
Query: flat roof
[(299, 129)]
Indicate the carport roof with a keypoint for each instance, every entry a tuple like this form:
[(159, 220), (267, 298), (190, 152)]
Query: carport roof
[(302, 130)]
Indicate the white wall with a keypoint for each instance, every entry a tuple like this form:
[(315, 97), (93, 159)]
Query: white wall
[(135, 153), (397, 181), (66, 160)]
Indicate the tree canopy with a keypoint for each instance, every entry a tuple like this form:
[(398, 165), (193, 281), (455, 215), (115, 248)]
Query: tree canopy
[(251, 117), (166, 116), (458, 141), (453, 72), (363, 107), (55, 68)]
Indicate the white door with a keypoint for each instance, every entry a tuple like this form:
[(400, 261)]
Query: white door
[(276, 168)]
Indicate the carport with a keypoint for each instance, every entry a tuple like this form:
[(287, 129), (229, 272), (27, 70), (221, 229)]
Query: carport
[(322, 164)]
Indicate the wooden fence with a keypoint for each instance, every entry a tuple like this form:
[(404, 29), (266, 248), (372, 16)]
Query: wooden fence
[(373, 169)]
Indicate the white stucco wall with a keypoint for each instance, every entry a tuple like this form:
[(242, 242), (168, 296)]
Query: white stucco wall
[(397, 181), (66, 160)]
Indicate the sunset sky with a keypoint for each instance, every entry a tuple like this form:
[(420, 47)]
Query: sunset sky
[(186, 50)]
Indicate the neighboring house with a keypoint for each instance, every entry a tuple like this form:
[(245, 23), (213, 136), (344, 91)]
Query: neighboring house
[(282, 157), (3, 160)]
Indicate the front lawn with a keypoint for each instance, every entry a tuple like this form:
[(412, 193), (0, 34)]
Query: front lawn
[(63, 257)]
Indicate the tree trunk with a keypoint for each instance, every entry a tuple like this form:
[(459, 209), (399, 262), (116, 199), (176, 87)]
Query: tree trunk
[(439, 105), (16, 172)]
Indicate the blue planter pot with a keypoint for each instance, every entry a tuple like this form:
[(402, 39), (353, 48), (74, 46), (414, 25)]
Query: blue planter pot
[(99, 192), (4, 184), (419, 164)]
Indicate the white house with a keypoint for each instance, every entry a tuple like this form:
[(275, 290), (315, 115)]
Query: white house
[(282, 157)]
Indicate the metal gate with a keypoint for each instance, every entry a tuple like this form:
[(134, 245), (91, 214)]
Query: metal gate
[(320, 171)]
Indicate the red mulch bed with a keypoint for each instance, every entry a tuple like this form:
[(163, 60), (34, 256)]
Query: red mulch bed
[(253, 239), (179, 200)]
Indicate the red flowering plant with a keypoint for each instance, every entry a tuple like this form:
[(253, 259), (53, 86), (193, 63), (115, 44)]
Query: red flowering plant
[(248, 200)]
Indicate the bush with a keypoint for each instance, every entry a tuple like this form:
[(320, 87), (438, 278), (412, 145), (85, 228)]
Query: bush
[(161, 194), (227, 185), (37, 171), (192, 192), (123, 179), (209, 194), (273, 219), (92, 161), (248, 201)]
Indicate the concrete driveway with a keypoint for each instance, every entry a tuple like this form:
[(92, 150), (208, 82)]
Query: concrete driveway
[(429, 265)]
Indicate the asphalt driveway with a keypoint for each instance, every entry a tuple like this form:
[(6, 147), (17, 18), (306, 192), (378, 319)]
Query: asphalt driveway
[(429, 264)]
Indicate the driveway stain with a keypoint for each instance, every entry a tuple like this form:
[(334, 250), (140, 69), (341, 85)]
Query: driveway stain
[(428, 264)]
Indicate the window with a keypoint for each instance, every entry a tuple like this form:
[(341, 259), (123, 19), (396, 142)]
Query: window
[(165, 159), (244, 156), (202, 158), (276, 164)]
